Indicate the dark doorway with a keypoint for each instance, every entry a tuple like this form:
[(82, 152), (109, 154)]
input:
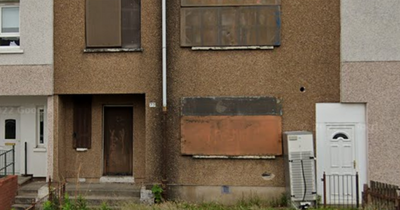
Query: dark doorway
[(118, 140)]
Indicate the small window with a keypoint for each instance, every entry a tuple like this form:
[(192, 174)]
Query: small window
[(113, 23), (230, 23), (40, 126), (9, 30), (340, 135), (10, 129)]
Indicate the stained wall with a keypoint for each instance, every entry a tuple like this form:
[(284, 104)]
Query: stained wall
[(308, 57)]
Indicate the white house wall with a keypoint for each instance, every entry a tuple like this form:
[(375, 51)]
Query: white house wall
[(36, 34), (31, 71), (370, 63), (37, 156)]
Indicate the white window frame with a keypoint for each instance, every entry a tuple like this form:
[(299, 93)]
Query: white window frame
[(38, 109), (3, 5)]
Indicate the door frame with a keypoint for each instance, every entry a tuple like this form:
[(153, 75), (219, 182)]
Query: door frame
[(332, 114), (103, 137), (17, 141)]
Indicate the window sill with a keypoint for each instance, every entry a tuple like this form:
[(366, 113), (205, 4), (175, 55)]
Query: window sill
[(11, 50), (271, 157), (81, 149), (111, 50), (39, 149), (234, 48)]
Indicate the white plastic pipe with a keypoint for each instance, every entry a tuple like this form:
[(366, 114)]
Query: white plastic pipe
[(164, 55)]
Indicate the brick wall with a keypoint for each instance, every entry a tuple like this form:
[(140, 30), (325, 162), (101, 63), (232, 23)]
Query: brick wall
[(8, 191)]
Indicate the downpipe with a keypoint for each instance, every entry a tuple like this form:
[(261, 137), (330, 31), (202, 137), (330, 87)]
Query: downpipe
[(164, 180)]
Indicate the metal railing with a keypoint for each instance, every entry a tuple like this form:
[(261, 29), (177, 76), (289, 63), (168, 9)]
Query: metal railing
[(7, 162), (341, 190)]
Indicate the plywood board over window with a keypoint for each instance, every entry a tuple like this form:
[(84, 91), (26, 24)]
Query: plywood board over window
[(82, 122), (231, 126), (113, 23), (191, 3), (208, 23)]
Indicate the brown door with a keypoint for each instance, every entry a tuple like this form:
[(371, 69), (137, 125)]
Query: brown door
[(118, 140)]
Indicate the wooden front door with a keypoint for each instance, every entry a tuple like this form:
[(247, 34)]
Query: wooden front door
[(118, 140)]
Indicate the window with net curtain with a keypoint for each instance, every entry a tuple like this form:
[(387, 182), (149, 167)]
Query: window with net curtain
[(9, 20)]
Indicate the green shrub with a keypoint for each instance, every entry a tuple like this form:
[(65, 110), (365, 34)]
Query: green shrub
[(104, 206), (48, 206), (157, 190), (79, 204)]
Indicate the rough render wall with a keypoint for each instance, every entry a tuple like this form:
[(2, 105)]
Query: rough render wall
[(26, 80), (111, 73), (308, 26), (36, 24), (309, 57), (207, 194), (89, 164), (58, 132), (125, 72), (50, 135), (377, 84)]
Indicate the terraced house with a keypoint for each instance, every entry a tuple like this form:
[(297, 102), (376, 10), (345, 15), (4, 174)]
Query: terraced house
[(192, 94), (206, 118), (26, 84)]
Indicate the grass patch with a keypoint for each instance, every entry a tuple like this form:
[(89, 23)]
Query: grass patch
[(251, 204)]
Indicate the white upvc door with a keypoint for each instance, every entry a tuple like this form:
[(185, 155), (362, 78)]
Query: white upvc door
[(341, 160), (10, 134)]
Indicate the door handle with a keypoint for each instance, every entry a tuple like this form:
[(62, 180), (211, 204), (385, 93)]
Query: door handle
[(354, 164)]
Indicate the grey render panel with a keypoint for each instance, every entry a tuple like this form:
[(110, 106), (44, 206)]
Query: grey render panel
[(370, 30)]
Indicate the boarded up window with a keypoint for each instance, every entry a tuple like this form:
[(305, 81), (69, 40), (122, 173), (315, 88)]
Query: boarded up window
[(82, 122), (113, 23), (231, 126), (217, 23), (208, 3)]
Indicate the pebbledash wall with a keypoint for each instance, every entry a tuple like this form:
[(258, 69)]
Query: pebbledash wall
[(118, 78), (26, 83), (370, 63), (308, 57)]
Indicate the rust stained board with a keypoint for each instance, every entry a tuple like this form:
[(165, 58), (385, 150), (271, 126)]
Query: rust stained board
[(231, 135), (231, 106), (191, 3)]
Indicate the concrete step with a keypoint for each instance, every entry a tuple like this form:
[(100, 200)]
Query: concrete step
[(31, 188), (20, 206), (105, 192), (24, 180), (113, 201), (24, 199)]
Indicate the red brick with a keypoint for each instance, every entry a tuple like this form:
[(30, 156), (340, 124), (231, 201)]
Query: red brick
[(8, 191)]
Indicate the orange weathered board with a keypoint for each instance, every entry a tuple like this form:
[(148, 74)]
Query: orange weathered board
[(231, 135)]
